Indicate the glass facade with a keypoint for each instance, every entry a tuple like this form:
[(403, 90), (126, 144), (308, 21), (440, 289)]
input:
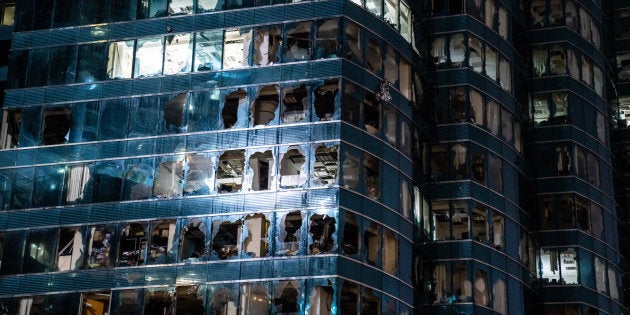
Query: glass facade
[(314, 157)]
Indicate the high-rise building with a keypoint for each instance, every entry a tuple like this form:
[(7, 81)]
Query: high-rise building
[(209, 157), (314, 157)]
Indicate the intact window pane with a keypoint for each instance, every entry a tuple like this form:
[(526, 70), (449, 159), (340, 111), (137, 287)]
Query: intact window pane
[(123, 10), (63, 63), (353, 43), (405, 21), (37, 72), (457, 49), (92, 65)]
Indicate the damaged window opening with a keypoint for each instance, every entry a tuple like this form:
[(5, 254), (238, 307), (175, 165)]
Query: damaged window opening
[(263, 109), (262, 164), (177, 54), (460, 221), (230, 171), (290, 236), (441, 220), (254, 300), (226, 238), (457, 100), (372, 241), (325, 97), (295, 104), (200, 175), (476, 107), (267, 44), (372, 113), (192, 242), (128, 301), (175, 113), (327, 41), (370, 303), (349, 298), (133, 245), (292, 172), (460, 161), (256, 243), (159, 301), (321, 300), (38, 254), (208, 50), (162, 235), (95, 303), (390, 120), (100, 246), (229, 113), (286, 298), (350, 245), (70, 249), (149, 53), (56, 126), (169, 178), (390, 252), (10, 132), (222, 303), (498, 228), (322, 230), (480, 223), (236, 46), (190, 299), (326, 165), (299, 45), (371, 169)]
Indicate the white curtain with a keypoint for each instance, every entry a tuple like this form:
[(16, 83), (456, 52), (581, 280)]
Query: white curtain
[(119, 60), (506, 125), (540, 61), (571, 15), (459, 156), (441, 282), (476, 105), (505, 75), (499, 294), (574, 69), (490, 10), (493, 119), (585, 24), (482, 296), (600, 275), (503, 23), (457, 49), (437, 51), (612, 284)]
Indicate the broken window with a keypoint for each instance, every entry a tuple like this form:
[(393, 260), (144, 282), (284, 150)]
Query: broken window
[(371, 173), (327, 41), (321, 300), (226, 238), (148, 57), (138, 179), (69, 249), (230, 171), (95, 303), (169, 178), (255, 299), (480, 223), (540, 61), (441, 220), (133, 245), (292, 168), (482, 293), (267, 44), (390, 120), (493, 117), (370, 303), (598, 79), (159, 300), (262, 165), (326, 165), (199, 174), (439, 162), (438, 51), (10, 132), (460, 221), (325, 99), (405, 83), (99, 247), (287, 297), (161, 243), (498, 228), (460, 161), (374, 56), (390, 252), (229, 113), (475, 54), (587, 72), (506, 125), (406, 196), (236, 46), (192, 242), (390, 64), (190, 299), (208, 50), (349, 298), (505, 74), (353, 43), (256, 244), (563, 160), (56, 125), (299, 45), (350, 245), (476, 107), (372, 242), (290, 233), (264, 108), (322, 229), (557, 59), (371, 113), (128, 301), (295, 104), (495, 173), (178, 54), (222, 303), (457, 50), (76, 183), (174, 113), (492, 63)]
